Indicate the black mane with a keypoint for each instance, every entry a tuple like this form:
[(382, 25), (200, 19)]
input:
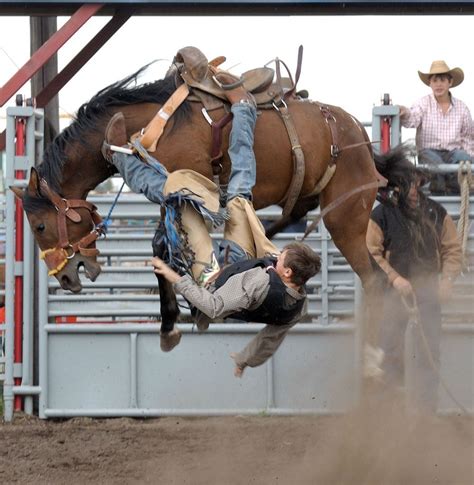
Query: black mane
[(100, 106)]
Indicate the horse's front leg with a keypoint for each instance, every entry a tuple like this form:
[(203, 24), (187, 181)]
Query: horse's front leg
[(169, 335)]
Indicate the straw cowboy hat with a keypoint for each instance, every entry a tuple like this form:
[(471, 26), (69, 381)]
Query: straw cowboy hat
[(440, 67)]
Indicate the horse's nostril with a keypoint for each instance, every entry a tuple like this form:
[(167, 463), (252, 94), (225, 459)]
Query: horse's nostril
[(70, 285)]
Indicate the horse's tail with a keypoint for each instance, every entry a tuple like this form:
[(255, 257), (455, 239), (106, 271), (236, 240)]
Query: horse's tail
[(398, 167)]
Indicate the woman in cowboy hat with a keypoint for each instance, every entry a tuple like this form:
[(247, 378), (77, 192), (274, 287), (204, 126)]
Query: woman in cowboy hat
[(444, 130)]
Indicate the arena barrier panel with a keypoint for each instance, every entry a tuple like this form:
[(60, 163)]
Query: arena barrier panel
[(315, 370), (109, 363)]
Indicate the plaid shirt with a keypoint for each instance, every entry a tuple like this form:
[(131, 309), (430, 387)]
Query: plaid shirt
[(452, 130), (245, 290)]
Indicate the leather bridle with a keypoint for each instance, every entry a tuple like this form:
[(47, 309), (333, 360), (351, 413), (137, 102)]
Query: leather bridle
[(56, 258)]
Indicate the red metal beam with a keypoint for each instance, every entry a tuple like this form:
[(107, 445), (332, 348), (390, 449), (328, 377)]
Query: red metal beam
[(90, 49), (20, 124), (47, 50)]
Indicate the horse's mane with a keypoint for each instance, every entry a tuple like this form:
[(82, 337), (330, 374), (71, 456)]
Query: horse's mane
[(120, 93), (396, 166)]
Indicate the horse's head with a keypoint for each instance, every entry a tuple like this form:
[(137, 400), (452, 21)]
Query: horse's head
[(65, 230)]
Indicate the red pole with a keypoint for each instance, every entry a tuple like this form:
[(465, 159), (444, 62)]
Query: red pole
[(385, 135), (20, 175)]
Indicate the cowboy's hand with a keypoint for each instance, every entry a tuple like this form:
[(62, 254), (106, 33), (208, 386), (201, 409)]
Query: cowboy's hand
[(403, 286), (161, 268), (445, 290), (238, 369), (403, 111)]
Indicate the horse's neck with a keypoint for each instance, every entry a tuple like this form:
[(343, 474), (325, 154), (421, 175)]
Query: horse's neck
[(82, 176)]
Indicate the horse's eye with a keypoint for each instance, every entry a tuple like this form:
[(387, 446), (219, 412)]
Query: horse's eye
[(40, 227)]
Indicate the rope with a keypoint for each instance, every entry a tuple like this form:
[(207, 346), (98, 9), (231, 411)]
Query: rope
[(104, 225), (414, 319), (340, 200), (465, 181)]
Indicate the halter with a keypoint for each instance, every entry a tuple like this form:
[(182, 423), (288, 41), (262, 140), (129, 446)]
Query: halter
[(56, 258)]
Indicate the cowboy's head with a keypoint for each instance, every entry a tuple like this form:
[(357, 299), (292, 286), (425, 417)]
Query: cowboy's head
[(441, 78)]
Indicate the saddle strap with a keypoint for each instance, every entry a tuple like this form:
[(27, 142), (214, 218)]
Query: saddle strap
[(151, 134), (216, 148), (325, 179), (297, 74), (331, 122), (279, 83), (298, 163)]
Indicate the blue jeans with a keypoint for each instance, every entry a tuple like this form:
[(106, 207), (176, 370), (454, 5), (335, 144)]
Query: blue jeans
[(244, 167), (143, 178), (443, 183), (435, 157)]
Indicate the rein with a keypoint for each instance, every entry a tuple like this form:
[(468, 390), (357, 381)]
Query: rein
[(56, 258), (411, 306)]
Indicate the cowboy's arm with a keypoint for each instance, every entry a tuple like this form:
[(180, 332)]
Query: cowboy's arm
[(241, 291), (140, 177), (375, 240), (375, 244), (411, 117)]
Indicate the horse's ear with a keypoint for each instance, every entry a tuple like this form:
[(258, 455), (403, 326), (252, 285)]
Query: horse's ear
[(32, 188), (33, 185), (18, 192)]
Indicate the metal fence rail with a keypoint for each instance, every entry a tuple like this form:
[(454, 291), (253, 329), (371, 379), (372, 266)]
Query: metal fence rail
[(127, 374), (108, 362)]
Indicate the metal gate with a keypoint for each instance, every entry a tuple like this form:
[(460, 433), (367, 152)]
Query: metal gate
[(99, 355)]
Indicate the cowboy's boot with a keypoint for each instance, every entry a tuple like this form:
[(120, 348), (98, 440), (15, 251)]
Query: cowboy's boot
[(115, 136), (233, 89)]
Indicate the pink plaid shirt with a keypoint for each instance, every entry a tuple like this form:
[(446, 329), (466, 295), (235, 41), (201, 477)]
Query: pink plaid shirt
[(452, 130)]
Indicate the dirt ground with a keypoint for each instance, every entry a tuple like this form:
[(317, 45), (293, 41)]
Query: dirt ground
[(379, 447)]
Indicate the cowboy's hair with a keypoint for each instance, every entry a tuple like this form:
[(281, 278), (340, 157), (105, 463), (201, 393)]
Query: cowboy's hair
[(303, 262), (401, 174), (441, 75)]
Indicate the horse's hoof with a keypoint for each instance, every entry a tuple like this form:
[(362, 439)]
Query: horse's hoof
[(169, 340), (373, 359)]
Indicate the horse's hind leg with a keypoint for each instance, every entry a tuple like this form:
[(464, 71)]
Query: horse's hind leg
[(169, 335), (348, 230)]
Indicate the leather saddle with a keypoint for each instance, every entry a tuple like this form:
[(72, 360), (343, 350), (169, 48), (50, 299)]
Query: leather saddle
[(191, 66)]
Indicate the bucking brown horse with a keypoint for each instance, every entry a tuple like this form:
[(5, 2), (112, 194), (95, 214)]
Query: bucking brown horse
[(64, 224)]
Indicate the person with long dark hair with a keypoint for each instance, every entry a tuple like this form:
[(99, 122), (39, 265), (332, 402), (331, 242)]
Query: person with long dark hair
[(414, 240)]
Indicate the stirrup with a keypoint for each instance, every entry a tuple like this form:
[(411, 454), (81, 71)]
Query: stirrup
[(209, 272)]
